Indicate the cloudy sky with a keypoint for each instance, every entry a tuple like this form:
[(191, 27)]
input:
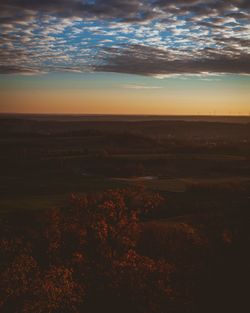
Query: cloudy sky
[(125, 56)]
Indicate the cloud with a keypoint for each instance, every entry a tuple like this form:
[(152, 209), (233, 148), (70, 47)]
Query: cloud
[(146, 37), (140, 87), (142, 60), (19, 9), (6, 69), (127, 11)]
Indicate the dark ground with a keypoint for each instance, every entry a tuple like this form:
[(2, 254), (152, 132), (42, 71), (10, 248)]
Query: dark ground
[(201, 166), (45, 158)]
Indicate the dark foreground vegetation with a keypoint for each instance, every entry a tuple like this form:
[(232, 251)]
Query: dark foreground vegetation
[(124, 216), (104, 254)]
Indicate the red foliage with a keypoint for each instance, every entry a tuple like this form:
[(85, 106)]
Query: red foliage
[(84, 258)]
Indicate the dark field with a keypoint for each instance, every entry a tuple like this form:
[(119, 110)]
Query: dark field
[(199, 168), (44, 160)]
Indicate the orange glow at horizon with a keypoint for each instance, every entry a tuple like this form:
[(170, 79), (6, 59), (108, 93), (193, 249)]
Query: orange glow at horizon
[(120, 101)]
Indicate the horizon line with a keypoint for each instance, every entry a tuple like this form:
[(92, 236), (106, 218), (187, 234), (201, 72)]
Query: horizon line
[(125, 114)]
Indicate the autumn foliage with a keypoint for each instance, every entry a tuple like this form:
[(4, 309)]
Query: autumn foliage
[(113, 252), (83, 258)]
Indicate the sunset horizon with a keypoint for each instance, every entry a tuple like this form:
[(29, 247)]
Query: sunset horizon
[(116, 57)]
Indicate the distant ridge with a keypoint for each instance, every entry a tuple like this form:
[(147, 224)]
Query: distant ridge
[(127, 118)]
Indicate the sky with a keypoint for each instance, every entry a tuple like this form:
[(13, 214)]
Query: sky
[(161, 57)]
